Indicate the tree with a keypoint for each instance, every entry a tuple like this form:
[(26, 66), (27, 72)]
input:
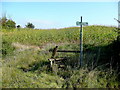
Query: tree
[(7, 23), (30, 25), (10, 24), (3, 21), (18, 26)]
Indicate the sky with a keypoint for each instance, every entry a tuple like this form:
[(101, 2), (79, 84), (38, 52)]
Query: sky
[(47, 15)]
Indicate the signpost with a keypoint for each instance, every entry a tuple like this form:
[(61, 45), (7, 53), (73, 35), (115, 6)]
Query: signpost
[(118, 14), (81, 39)]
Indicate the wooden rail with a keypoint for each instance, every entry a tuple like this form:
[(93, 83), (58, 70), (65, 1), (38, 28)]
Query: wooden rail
[(55, 50), (68, 51), (57, 61)]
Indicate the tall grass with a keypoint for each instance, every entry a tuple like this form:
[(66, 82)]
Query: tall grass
[(31, 69), (92, 35)]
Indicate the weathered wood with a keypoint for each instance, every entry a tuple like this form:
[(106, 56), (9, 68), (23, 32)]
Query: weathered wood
[(68, 51), (58, 61), (54, 52), (51, 61)]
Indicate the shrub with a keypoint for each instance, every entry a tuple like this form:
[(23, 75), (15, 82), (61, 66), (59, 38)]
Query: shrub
[(7, 23), (30, 25)]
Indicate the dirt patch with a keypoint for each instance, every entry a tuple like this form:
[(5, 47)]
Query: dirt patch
[(23, 47), (47, 46)]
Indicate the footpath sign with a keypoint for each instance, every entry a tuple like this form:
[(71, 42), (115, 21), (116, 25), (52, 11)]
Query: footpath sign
[(81, 24)]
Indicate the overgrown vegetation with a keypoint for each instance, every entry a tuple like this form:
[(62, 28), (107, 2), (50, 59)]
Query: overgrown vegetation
[(7, 23), (26, 66)]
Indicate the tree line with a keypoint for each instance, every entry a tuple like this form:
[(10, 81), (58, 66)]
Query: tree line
[(10, 24)]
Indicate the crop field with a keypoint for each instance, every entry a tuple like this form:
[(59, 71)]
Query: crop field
[(25, 54)]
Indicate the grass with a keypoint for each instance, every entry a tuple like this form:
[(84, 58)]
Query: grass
[(38, 37), (30, 68), (32, 71)]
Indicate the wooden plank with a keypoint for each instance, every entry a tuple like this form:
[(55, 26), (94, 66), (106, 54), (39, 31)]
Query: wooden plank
[(51, 61), (68, 51), (57, 61)]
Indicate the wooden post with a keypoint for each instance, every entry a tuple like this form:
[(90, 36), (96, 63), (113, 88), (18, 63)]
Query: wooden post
[(81, 44), (80, 63), (51, 61), (54, 52)]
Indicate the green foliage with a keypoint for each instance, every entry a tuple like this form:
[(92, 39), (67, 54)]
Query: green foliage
[(84, 78), (3, 21), (7, 23), (93, 35), (7, 48), (10, 24), (30, 25), (29, 71), (30, 68)]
